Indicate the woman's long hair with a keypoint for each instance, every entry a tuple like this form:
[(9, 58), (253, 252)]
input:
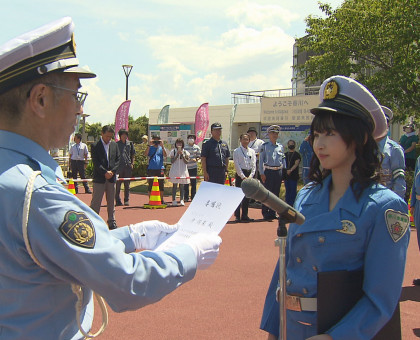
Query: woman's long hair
[(366, 167)]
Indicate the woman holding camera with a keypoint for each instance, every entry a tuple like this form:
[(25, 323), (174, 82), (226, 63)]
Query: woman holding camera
[(179, 160)]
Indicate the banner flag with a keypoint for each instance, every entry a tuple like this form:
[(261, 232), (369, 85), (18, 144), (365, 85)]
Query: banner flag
[(121, 117), (201, 122), (163, 115)]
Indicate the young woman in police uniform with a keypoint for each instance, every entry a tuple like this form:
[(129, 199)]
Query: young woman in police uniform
[(352, 222)]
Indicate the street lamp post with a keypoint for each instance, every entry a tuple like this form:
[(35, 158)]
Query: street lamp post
[(127, 71)]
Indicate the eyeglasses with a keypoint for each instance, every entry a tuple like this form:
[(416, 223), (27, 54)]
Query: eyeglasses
[(79, 96)]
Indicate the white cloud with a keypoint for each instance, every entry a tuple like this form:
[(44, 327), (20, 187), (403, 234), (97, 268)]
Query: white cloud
[(257, 15), (233, 47)]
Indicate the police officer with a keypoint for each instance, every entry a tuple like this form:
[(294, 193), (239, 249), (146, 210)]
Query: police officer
[(393, 165), (54, 248), (272, 162), (352, 223), (215, 156), (78, 155)]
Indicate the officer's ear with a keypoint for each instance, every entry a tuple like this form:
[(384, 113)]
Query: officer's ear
[(38, 99)]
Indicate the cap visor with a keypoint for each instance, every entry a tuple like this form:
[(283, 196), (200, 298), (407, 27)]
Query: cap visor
[(319, 109), (81, 72)]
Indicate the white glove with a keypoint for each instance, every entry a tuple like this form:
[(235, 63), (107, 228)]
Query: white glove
[(206, 248), (150, 234)]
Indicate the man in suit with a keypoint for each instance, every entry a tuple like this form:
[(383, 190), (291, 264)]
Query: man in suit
[(106, 160)]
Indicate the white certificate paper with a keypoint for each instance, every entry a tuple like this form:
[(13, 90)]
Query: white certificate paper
[(208, 212)]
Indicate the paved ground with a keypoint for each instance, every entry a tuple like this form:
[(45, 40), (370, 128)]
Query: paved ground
[(225, 301)]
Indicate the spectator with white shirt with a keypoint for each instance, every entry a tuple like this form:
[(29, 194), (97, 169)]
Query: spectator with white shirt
[(195, 153), (78, 159), (255, 144), (245, 163)]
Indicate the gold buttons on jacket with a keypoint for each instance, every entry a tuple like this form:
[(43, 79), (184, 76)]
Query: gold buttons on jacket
[(321, 239), (298, 260)]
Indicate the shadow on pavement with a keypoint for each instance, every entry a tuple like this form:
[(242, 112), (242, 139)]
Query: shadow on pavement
[(410, 293)]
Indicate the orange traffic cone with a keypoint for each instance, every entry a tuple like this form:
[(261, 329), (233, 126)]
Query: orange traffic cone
[(154, 199), (71, 187), (227, 182)]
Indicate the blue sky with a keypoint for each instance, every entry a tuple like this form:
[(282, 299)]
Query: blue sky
[(184, 52)]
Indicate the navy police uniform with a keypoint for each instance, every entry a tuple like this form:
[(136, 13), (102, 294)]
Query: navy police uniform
[(271, 164), (216, 153), (370, 234)]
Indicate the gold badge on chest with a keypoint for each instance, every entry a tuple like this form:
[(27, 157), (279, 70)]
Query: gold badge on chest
[(347, 227)]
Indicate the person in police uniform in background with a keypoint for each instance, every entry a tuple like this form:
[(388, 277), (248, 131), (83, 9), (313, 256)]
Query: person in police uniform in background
[(393, 164), (272, 162), (215, 156), (54, 249), (78, 155), (351, 221)]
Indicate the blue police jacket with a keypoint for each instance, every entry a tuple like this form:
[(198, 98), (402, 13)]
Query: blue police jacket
[(306, 152), (393, 165), (370, 234), (271, 155), (38, 303)]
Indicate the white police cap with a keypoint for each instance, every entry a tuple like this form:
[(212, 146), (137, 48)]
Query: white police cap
[(35, 53), (273, 128), (346, 96), (388, 112)]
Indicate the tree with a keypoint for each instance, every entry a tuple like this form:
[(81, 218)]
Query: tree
[(376, 42), (137, 128), (94, 130)]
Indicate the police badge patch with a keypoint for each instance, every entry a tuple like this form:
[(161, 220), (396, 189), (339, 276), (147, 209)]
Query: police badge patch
[(397, 224), (347, 227), (78, 229)]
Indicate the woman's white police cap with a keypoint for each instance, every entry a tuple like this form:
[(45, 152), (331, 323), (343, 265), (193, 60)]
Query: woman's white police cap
[(50, 48), (346, 96)]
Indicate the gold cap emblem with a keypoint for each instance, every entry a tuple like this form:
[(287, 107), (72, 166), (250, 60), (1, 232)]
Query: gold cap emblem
[(331, 90)]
